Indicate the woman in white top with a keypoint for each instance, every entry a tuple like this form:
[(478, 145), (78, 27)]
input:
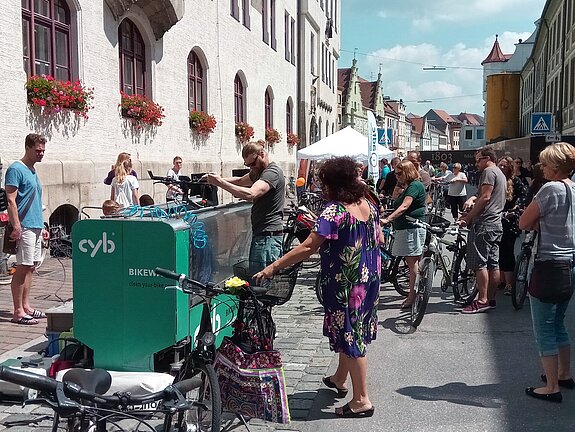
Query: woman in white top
[(125, 186), (457, 193)]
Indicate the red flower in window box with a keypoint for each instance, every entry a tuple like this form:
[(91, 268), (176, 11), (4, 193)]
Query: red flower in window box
[(141, 110), (272, 136), (244, 132), (202, 123), (55, 96), (292, 139)]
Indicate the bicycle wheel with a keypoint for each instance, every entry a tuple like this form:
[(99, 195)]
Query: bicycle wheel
[(204, 390), (519, 288), (422, 291), (463, 282), (291, 242), (400, 278)]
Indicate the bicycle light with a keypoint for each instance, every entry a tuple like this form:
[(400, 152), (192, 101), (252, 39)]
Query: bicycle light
[(208, 338)]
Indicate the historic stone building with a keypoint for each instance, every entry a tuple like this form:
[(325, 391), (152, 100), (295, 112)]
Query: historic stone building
[(270, 63)]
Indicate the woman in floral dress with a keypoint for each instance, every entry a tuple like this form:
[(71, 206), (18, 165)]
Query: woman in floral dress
[(348, 236)]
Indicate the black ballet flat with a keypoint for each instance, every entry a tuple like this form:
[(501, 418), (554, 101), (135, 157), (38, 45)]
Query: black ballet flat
[(551, 397), (568, 383), (328, 383), (347, 412)]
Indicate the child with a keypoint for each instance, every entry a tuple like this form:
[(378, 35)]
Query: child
[(110, 207)]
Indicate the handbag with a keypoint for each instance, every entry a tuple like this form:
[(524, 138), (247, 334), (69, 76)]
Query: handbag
[(252, 385), (551, 279), (3, 200)]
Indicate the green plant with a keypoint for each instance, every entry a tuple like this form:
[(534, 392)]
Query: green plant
[(55, 96), (272, 136), (244, 132), (202, 123), (141, 110)]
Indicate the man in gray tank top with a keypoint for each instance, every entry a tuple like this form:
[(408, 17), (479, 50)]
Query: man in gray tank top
[(485, 229), (264, 185)]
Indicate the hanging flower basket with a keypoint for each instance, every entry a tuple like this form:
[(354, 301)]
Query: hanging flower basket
[(244, 132), (272, 136), (201, 123), (292, 139), (54, 95), (141, 110)]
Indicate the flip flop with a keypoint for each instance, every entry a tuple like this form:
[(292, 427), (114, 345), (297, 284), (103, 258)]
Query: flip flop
[(37, 314), (25, 320), (346, 412), (329, 383)]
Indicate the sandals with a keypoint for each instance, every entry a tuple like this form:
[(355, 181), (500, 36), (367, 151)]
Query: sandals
[(329, 383), (346, 412), (37, 314), (25, 320)]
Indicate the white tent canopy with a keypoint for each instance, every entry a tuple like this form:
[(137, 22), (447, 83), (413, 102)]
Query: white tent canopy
[(345, 142)]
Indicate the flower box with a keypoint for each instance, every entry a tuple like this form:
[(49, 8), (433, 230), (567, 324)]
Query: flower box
[(292, 139), (272, 136), (54, 95), (141, 110), (202, 123), (244, 132)]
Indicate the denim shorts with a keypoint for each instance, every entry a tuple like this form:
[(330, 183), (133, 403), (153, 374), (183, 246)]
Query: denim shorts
[(408, 242), (483, 246), (548, 325), (264, 250)]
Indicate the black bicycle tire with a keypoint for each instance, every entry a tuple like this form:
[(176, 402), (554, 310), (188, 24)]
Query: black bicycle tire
[(459, 295), (402, 289), (288, 245), (520, 285), (317, 288), (208, 376), (422, 292)]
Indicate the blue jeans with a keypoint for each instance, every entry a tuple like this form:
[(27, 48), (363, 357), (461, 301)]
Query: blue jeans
[(264, 250), (548, 326)]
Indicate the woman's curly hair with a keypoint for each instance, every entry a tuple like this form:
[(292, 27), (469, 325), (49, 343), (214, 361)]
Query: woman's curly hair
[(340, 180)]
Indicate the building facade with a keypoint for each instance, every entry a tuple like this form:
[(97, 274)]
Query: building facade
[(270, 63)]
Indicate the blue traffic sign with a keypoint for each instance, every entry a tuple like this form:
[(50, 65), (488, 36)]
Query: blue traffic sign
[(540, 123), (384, 136)]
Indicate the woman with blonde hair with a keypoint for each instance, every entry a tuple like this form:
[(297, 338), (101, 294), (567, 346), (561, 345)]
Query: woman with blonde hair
[(552, 213), (120, 159), (125, 186), (409, 238)]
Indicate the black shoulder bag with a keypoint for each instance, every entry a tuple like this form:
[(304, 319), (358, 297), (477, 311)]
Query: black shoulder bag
[(551, 279)]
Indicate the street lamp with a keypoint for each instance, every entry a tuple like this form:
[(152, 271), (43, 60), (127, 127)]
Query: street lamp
[(434, 68)]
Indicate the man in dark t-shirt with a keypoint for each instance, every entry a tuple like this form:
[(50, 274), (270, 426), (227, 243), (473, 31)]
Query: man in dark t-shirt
[(264, 185)]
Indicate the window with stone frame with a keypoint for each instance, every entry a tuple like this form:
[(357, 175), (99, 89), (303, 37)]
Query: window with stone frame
[(289, 117), (132, 59), (268, 109), (196, 83), (239, 99), (46, 38)]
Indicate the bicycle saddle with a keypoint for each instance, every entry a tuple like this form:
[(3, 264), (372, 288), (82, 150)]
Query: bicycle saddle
[(95, 381)]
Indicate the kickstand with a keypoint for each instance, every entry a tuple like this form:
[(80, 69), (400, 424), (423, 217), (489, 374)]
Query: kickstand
[(243, 420)]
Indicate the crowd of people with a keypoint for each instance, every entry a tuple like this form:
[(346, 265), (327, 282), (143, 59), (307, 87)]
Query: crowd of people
[(348, 236)]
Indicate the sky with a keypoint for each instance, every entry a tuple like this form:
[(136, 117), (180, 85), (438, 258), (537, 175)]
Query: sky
[(400, 37)]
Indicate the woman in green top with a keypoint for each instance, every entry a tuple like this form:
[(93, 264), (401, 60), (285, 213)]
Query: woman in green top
[(408, 238)]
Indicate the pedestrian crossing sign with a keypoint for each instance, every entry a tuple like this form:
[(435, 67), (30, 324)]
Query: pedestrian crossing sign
[(540, 123)]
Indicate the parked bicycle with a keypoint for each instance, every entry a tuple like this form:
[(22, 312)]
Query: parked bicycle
[(299, 224), (437, 205), (313, 201), (205, 198), (523, 268), (291, 188)]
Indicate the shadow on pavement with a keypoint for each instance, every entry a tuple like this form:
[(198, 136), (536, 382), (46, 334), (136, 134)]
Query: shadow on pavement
[(323, 405), (458, 393)]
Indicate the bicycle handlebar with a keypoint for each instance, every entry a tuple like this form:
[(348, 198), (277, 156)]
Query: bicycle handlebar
[(75, 392), (186, 284)]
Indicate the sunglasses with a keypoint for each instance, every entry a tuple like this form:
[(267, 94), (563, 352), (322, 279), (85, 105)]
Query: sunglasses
[(479, 159), (252, 163)]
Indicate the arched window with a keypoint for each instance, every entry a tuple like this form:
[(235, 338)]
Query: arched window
[(326, 127), (196, 99), (289, 117), (46, 38), (313, 131), (239, 99), (269, 109), (132, 59), (319, 129)]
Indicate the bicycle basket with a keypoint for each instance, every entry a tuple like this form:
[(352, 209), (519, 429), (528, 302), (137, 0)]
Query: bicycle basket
[(437, 221), (281, 286)]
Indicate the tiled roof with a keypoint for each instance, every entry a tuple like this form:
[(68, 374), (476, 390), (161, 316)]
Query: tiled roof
[(496, 55), (444, 116), (418, 123), (368, 92), (470, 119), (343, 76)]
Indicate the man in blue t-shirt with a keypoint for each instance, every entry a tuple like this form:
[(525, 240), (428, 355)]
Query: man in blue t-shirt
[(24, 193)]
